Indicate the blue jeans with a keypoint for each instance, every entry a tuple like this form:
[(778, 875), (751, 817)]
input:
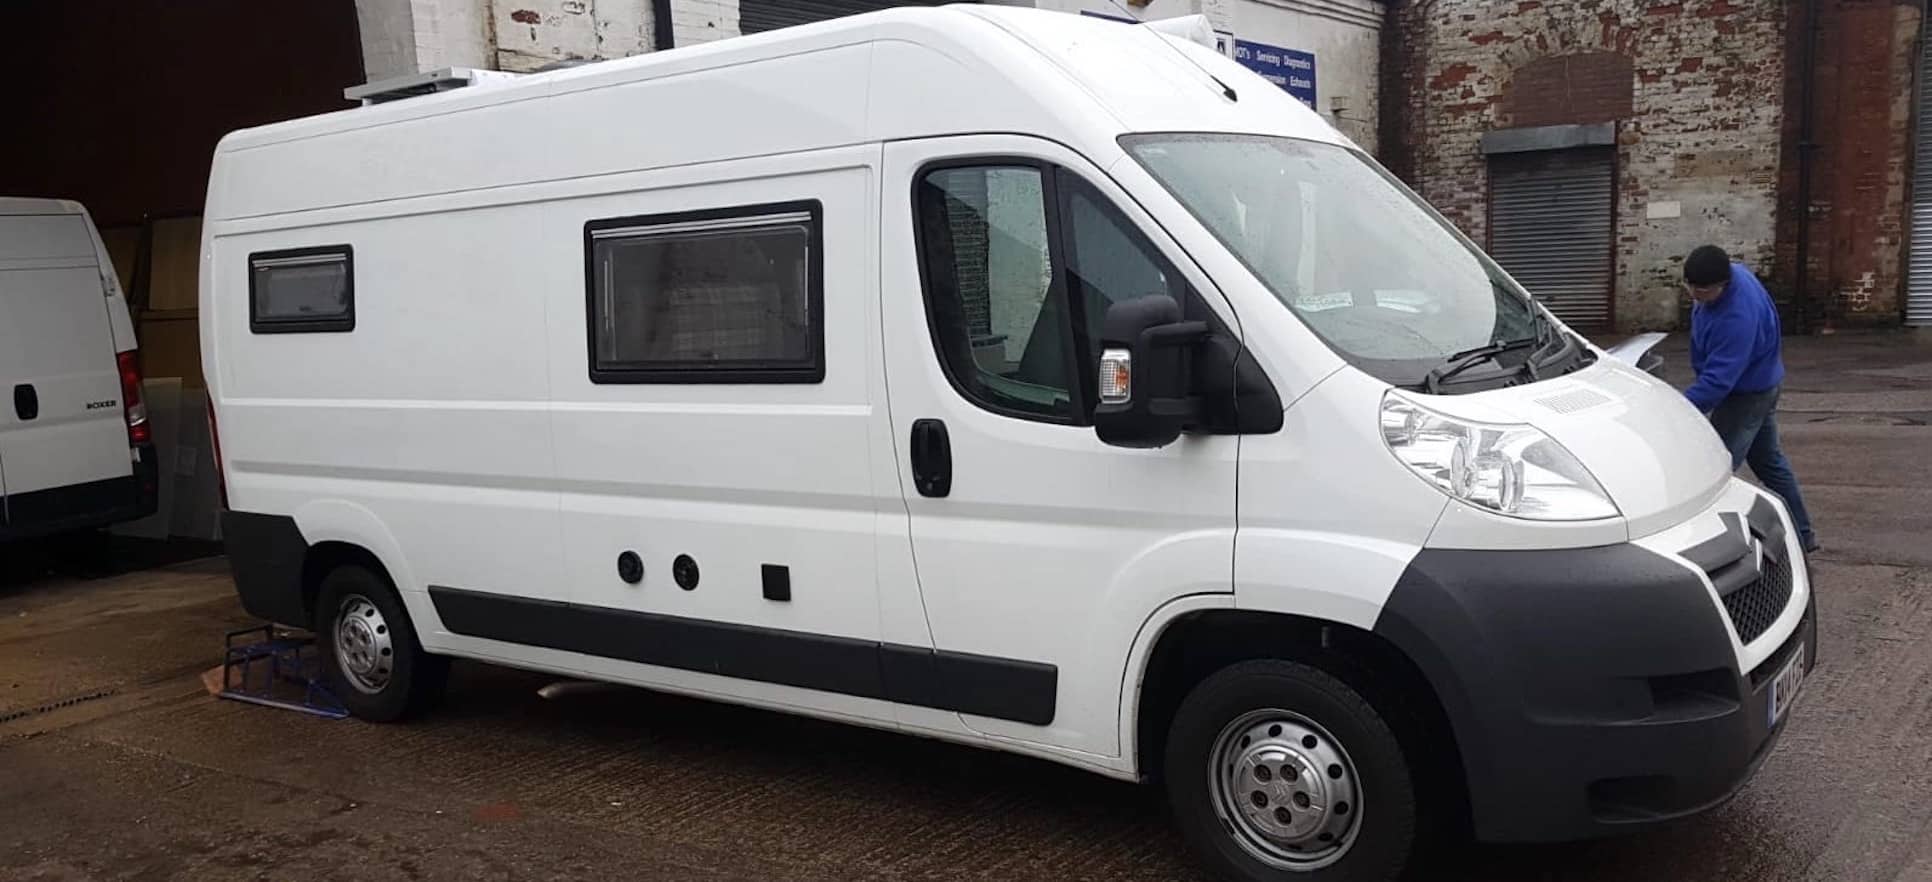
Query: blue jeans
[(1748, 423)]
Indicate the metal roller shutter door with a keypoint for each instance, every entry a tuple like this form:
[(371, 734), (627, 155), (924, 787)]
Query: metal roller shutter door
[(1550, 225), (755, 16), (1918, 286)]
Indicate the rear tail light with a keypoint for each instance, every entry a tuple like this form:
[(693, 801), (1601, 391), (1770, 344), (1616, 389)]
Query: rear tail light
[(214, 442), (137, 412)]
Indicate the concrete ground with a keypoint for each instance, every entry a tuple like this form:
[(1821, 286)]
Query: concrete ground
[(116, 764)]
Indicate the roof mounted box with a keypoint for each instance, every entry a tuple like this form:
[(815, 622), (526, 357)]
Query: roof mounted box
[(431, 82), (1194, 28)]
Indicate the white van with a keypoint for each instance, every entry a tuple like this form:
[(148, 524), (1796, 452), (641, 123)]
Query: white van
[(1029, 381), (75, 451)]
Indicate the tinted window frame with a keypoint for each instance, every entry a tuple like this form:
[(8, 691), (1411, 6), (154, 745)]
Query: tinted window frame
[(341, 322), (1086, 326), (1080, 401), (1058, 185), (746, 372)]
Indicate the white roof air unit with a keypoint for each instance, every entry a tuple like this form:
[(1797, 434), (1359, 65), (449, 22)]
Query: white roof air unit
[(412, 85)]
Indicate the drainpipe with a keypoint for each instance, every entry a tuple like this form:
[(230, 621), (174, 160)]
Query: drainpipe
[(662, 35), (1807, 69)]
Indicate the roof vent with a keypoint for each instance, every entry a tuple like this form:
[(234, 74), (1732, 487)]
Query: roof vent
[(1193, 28), (412, 85)]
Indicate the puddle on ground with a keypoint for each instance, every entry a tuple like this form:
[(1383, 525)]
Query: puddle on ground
[(1870, 419)]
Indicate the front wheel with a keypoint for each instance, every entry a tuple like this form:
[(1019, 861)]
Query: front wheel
[(1279, 771)]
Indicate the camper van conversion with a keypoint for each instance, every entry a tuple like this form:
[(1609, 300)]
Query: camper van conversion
[(1025, 380), (75, 445)]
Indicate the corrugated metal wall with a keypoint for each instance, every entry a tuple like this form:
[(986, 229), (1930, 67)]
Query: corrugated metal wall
[(1918, 285), (1551, 216)]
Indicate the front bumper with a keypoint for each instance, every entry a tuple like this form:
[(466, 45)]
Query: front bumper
[(1593, 690)]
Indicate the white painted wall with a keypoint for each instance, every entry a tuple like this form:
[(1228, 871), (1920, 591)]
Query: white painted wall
[(1344, 35), (1346, 38), (409, 36), (533, 33), (402, 36), (702, 21)]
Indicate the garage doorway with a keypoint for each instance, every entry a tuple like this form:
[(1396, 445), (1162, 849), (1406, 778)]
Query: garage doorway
[(1918, 285), (1551, 220), (133, 139)]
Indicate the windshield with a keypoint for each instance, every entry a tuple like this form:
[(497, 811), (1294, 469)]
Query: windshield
[(1383, 280)]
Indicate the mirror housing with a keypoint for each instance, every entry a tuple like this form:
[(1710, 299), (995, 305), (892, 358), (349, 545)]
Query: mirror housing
[(1146, 373)]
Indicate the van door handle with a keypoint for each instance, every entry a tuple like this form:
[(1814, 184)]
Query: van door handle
[(26, 402), (932, 459)]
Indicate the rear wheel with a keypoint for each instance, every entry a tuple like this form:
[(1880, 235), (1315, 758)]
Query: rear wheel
[(1277, 771), (370, 657)]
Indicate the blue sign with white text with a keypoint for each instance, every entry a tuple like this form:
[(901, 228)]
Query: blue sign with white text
[(1291, 69)]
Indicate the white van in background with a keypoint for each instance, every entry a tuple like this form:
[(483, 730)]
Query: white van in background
[(75, 451), (1015, 378)]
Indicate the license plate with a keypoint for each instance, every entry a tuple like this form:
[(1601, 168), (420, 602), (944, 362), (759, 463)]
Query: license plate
[(1785, 686)]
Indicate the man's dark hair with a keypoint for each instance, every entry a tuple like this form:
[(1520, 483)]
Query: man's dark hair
[(1708, 265)]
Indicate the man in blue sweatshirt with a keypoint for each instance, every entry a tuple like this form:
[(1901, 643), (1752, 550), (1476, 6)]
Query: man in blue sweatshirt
[(1735, 349)]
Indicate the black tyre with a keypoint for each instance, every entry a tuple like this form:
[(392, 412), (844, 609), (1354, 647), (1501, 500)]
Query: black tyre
[(1279, 771), (370, 658)]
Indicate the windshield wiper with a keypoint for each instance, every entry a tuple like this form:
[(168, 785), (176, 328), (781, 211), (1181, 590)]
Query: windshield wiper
[(1468, 358), (1548, 334)]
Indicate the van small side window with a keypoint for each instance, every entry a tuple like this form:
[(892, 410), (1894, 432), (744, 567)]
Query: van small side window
[(302, 290), (728, 296)]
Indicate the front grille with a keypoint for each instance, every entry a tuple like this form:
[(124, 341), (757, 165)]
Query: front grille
[(1755, 606), (1750, 566)]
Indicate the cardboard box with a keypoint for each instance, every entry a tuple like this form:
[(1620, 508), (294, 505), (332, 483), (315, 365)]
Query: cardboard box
[(174, 269), (171, 346)]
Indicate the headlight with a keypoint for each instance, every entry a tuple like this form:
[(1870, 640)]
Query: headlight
[(1513, 470)]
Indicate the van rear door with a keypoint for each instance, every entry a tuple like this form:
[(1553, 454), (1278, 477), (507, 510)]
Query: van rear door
[(63, 435)]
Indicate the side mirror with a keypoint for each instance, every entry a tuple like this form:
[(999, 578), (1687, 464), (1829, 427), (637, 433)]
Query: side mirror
[(1146, 366)]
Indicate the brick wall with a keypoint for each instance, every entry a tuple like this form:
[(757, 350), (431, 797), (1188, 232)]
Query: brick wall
[(1706, 97), (1588, 87), (533, 33), (1696, 88), (702, 21), (1862, 104), (967, 212)]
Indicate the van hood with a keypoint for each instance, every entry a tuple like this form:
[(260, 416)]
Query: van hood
[(1651, 450)]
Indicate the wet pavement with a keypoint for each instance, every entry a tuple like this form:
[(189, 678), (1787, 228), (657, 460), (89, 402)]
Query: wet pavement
[(116, 764)]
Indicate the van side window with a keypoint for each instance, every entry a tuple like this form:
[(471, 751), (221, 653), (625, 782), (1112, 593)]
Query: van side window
[(992, 293), (1020, 263), (731, 296), (1108, 261), (302, 290)]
